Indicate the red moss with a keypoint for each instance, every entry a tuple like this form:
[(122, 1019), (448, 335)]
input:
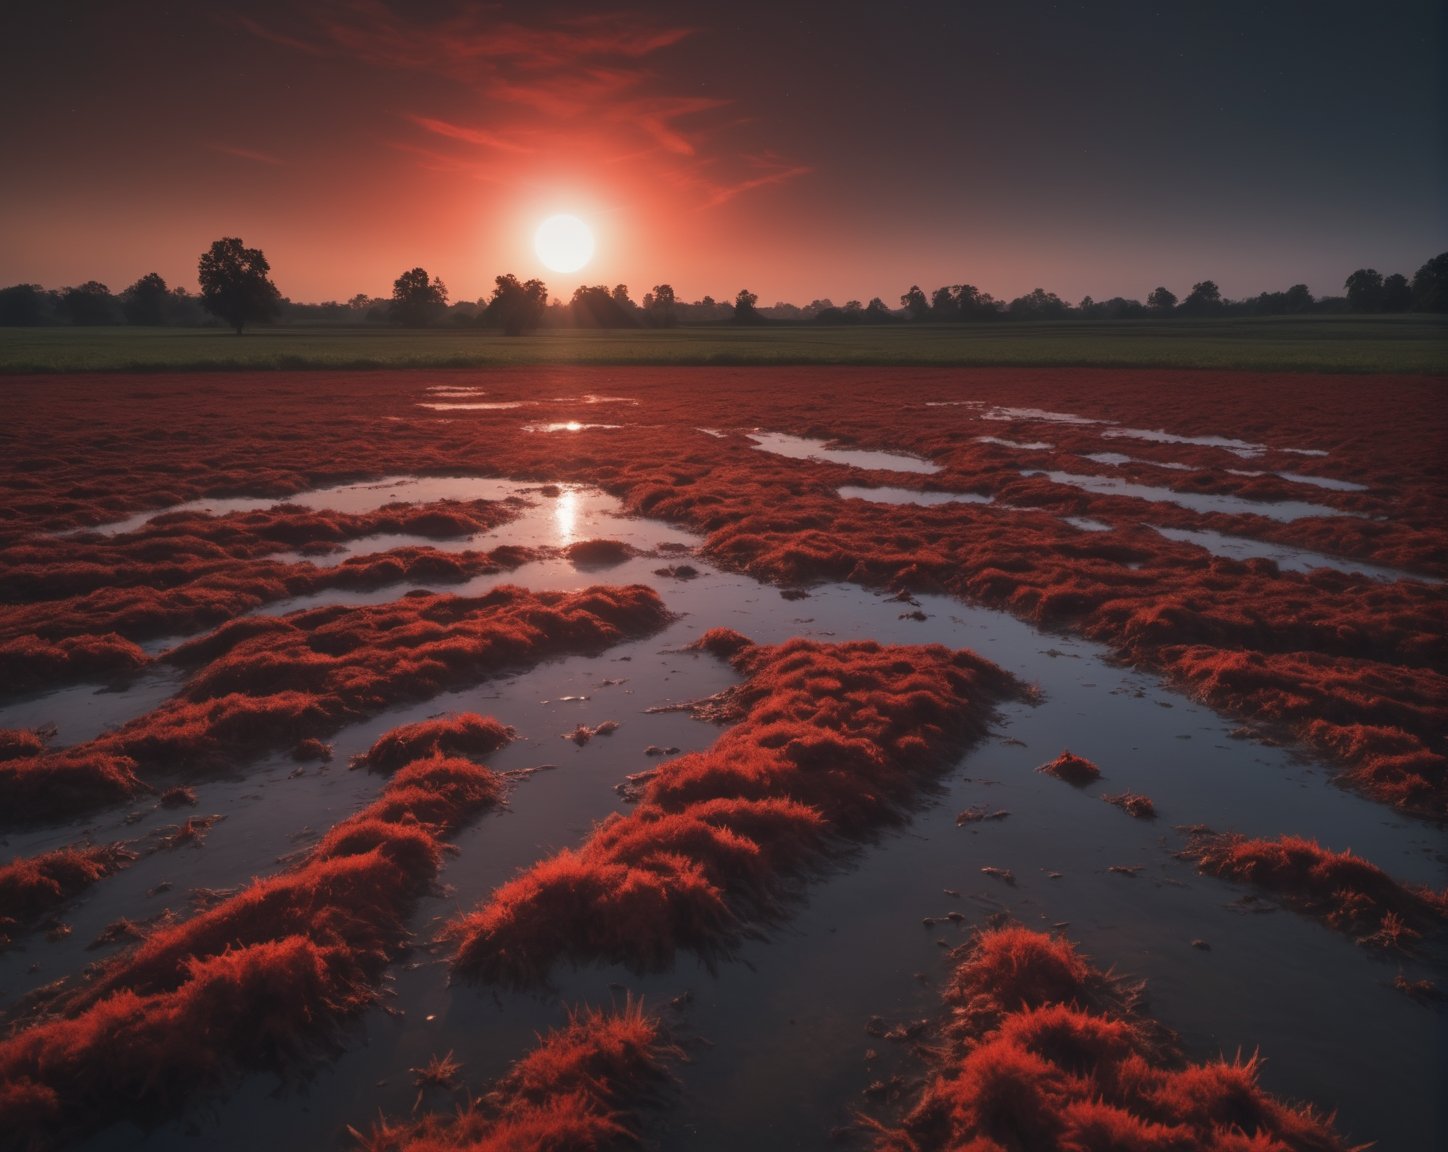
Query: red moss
[(261, 979), (1341, 889), (28, 662), (20, 743), (462, 734), (1133, 804), (266, 684), (833, 741), (1073, 769), (311, 749), (1044, 1051), (1152, 600), (581, 1088), (32, 886)]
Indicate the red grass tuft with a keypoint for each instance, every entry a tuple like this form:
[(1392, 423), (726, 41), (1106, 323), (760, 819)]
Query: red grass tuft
[(464, 734), (1341, 889), (1044, 1051), (1073, 769), (32, 886), (1133, 804), (579, 1089), (835, 741)]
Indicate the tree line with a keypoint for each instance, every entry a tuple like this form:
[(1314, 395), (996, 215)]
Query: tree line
[(236, 290)]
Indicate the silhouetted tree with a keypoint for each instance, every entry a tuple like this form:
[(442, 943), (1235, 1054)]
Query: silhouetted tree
[(1397, 293), (145, 302), (1298, 298), (1038, 304), (416, 300), (943, 305), (1205, 300), (1365, 290), (1161, 302), (659, 306), (745, 310), (22, 305), (877, 313), (89, 303), (1430, 285), (235, 286), (915, 304), (595, 307), (516, 308)]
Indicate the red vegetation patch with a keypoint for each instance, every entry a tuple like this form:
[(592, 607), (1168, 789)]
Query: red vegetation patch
[(1073, 769), (1133, 804), (598, 553), (579, 1089), (261, 979), (1044, 1051), (834, 740), (271, 682), (1159, 603), (1338, 888), (464, 734), (34, 885)]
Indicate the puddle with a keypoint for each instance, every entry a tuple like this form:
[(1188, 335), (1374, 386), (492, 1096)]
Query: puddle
[(455, 390), (1300, 478), (366, 496), (1086, 524), (1118, 459), (800, 448), (1286, 557), (1030, 446), (565, 426), (1040, 414), (81, 712), (466, 406), (1285, 510), (910, 496), (714, 432)]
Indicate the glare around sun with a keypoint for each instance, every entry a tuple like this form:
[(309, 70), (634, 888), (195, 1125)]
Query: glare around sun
[(563, 243)]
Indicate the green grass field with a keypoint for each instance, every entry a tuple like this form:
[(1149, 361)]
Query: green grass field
[(1399, 344)]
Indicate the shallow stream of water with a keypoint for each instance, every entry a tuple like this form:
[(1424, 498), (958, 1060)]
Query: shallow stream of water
[(784, 1020)]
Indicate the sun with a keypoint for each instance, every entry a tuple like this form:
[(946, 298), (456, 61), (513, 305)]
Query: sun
[(563, 243)]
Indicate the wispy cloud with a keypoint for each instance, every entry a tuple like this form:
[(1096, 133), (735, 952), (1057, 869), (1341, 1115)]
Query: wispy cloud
[(254, 155), (578, 86), (478, 136)]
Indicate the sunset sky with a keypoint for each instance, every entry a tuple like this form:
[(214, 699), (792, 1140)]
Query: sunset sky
[(802, 150)]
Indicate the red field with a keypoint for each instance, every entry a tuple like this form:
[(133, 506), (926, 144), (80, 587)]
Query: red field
[(835, 746)]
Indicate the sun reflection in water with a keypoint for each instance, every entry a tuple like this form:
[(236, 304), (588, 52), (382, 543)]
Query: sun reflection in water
[(565, 512)]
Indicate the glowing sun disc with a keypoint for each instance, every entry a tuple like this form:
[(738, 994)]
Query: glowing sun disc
[(563, 243)]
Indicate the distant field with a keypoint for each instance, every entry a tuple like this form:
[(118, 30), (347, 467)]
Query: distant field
[(1411, 344)]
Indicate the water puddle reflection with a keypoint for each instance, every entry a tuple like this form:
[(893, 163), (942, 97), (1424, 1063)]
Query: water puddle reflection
[(1285, 556), (800, 448), (1285, 510), (910, 496)]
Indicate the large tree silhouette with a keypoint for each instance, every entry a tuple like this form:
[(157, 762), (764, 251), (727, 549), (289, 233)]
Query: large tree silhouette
[(145, 301), (1365, 290), (416, 300), (235, 286), (516, 307), (1430, 285)]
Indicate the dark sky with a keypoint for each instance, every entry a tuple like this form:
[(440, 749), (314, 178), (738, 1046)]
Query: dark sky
[(801, 150)]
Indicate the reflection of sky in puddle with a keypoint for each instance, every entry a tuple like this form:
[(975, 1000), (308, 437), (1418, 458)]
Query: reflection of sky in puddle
[(1196, 501), (1286, 556), (1300, 478), (1086, 524), (366, 496), (800, 448), (714, 432), (1239, 447), (483, 406), (565, 426), (1027, 446), (1040, 414), (1117, 459), (455, 390), (910, 496)]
